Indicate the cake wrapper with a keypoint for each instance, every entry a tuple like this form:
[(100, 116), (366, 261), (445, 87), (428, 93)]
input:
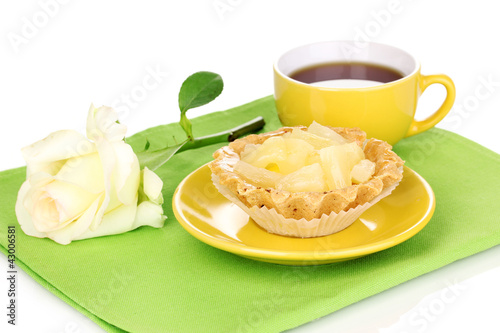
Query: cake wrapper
[(274, 222)]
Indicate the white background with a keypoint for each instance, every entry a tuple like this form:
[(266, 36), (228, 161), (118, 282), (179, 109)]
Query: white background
[(100, 52)]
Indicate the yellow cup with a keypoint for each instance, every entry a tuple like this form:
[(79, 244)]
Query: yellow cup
[(384, 111)]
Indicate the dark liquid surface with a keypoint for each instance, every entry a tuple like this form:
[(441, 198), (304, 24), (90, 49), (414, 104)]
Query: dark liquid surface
[(346, 70)]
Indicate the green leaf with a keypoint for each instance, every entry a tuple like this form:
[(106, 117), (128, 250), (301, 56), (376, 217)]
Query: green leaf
[(199, 89), (154, 159)]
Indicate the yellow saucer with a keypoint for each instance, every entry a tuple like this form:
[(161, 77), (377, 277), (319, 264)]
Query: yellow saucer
[(213, 219)]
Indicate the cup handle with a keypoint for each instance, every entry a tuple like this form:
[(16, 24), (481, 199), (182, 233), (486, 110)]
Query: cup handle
[(426, 80)]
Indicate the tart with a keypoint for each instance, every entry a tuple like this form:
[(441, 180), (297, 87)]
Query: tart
[(306, 181)]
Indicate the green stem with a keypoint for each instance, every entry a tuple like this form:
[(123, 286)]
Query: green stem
[(226, 136), (186, 126)]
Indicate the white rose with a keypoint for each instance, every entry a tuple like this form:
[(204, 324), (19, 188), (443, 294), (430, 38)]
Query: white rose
[(79, 188)]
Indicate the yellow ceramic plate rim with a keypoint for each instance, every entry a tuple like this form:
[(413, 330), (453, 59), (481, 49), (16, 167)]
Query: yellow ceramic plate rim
[(306, 256)]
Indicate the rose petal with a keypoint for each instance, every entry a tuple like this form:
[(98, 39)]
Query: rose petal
[(75, 229), (102, 125), (126, 177), (71, 200), (152, 185), (108, 160), (117, 221), (103, 129), (48, 155), (83, 171), (42, 209), (149, 213), (23, 216)]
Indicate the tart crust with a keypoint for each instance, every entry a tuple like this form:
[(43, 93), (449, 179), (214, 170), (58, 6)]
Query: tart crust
[(309, 205)]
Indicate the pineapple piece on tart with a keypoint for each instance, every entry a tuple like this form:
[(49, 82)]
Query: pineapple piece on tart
[(306, 181)]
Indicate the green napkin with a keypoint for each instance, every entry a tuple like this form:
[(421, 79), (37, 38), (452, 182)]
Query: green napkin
[(165, 280)]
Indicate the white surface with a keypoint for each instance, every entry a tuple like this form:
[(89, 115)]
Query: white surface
[(105, 52)]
